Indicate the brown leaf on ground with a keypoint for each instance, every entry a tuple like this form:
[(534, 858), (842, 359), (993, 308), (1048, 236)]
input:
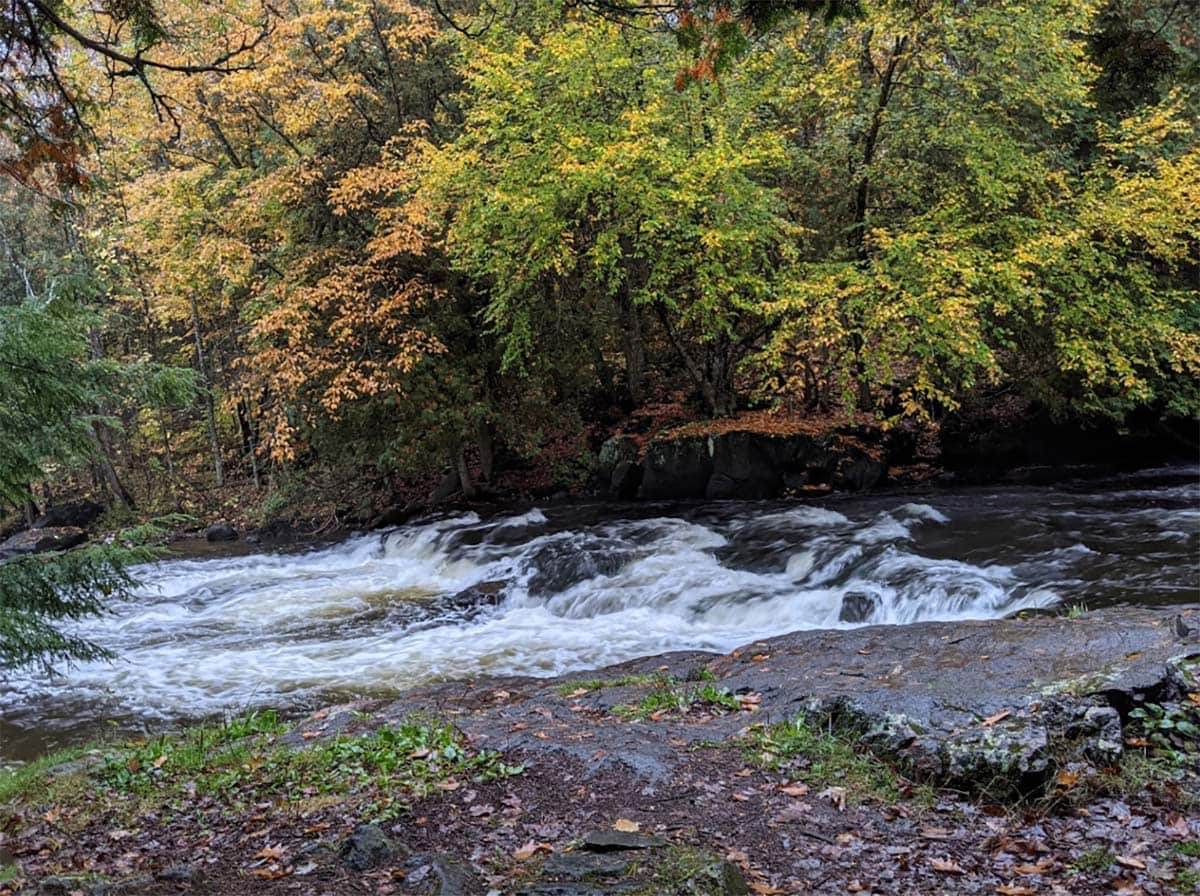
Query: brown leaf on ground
[(1131, 862), (1016, 891), (625, 826), (795, 790), (530, 849), (1040, 868), (996, 717), (835, 795), (945, 866)]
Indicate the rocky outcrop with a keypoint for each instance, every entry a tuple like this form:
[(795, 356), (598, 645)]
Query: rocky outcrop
[(734, 465), (36, 541), (984, 705), (77, 514)]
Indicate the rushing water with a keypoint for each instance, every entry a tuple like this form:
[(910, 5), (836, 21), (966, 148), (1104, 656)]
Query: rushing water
[(584, 586)]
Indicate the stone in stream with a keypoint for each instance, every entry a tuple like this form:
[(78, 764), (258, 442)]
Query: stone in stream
[(366, 847), (220, 532)]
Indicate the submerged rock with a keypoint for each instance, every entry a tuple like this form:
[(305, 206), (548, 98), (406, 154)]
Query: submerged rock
[(220, 532)]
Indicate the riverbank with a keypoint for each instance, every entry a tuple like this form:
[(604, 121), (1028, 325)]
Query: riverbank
[(1030, 755)]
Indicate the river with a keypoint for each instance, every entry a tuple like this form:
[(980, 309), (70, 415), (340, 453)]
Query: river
[(581, 586)]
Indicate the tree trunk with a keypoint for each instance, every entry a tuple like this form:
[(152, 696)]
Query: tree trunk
[(104, 461), (487, 451), (634, 349), (249, 440), (218, 467), (464, 473)]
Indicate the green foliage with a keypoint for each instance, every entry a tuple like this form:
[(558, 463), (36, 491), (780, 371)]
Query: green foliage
[(1094, 861), (669, 696), (824, 756), (1189, 848), (241, 757), (1173, 729), (389, 249)]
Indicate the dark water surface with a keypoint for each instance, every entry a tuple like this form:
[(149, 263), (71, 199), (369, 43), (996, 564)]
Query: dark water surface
[(588, 585)]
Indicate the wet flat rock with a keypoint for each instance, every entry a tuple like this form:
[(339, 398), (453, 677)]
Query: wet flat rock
[(956, 700)]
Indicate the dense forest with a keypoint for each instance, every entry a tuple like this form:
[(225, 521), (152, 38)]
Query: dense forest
[(258, 253)]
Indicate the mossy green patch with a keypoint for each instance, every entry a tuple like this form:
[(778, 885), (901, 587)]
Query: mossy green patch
[(826, 756), (678, 698), (1094, 861), (244, 760)]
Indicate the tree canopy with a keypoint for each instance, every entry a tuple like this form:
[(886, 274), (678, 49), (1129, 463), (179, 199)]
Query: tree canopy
[(405, 238)]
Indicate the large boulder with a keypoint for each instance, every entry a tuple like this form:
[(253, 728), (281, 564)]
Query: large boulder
[(220, 532), (678, 468), (36, 541), (76, 514), (618, 473)]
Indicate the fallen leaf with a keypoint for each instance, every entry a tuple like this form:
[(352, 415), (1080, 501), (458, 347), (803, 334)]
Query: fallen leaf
[(1131, 862), (271, 852), (530, 849), (1040, 868), (625, 826), (1016, 891), (1066, 779), (835, 795), (997, 717), (795, 790), (271, 872), (306, 868), (765, 889), (481, 810), (578, 692), (160, 761), (759, 657), (420, 754), (945, 866)]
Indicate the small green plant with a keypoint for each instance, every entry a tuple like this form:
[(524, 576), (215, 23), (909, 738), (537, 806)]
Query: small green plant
[(17, 780), (1187, 880), (1094, 861), (669, 697), (1173, 729), (1076, 610), (141, 766), (9, 873), (1189, 848), (823, 756), (574, 688)]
